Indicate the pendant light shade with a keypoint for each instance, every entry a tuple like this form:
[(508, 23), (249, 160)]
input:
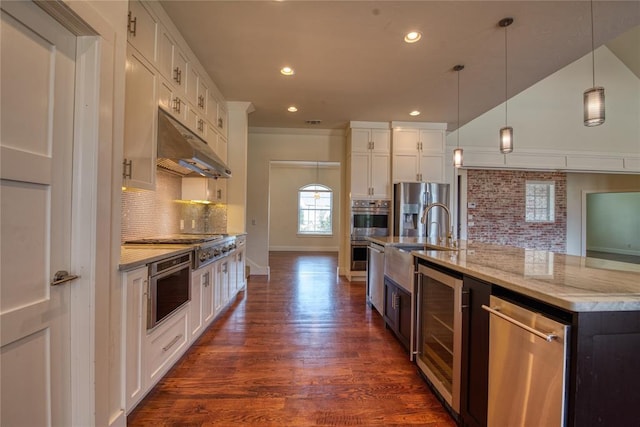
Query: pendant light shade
[(457, 153), (594, 97), (506, 140), (506, 133), (594, 106), (457, 157)]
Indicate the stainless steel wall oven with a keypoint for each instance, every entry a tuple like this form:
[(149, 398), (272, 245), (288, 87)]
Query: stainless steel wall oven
[(368, 218), (169, 287)]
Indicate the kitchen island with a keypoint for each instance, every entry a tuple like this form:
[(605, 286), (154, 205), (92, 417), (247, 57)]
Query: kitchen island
[(598, 300)]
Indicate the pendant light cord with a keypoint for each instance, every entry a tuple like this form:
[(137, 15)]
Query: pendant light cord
[(458, 123), (593, 54), (506, 96)]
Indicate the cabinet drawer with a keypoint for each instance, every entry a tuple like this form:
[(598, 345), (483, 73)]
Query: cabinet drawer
[(165, 344)]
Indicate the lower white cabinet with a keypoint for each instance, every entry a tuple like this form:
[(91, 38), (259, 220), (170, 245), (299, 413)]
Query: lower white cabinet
[(165, 344), (149, 354), (134, 330)]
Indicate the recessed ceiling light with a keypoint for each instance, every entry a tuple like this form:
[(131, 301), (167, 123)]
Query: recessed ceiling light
[(287, 71), (414, 113), (292, 109), (412, 36)]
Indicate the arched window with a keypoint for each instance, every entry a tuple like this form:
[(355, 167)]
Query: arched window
[(314, 210)]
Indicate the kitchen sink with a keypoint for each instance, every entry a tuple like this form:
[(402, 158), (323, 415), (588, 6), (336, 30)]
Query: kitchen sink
[(428, 247)]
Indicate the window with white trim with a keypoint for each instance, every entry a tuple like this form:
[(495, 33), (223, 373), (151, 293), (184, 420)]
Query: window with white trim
[(540, 201), (315, 210)]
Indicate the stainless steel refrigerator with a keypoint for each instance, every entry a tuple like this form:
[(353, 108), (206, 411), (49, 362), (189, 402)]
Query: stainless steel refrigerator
[(409, 201)]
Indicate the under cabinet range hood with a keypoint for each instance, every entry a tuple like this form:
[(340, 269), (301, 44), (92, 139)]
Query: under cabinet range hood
[(183, 152)]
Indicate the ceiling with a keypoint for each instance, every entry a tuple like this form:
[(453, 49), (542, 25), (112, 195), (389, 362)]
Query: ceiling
[(351, 62)]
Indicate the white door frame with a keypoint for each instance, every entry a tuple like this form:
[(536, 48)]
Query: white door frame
[(98, 127)]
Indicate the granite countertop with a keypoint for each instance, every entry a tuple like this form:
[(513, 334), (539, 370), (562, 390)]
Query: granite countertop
[(570, 282), (134, 256)]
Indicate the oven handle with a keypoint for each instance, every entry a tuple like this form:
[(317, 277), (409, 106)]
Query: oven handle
[(165, 273)]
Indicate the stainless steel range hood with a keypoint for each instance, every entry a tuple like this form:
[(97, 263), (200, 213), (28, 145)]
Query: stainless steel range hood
[(183, 152)]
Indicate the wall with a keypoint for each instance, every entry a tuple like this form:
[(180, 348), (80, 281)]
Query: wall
[(613, 222), (285, 180), (270, 144), (548, 122), (499, 215), (578, 186)]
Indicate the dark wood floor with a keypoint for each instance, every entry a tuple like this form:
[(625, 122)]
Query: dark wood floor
[(301, 349)]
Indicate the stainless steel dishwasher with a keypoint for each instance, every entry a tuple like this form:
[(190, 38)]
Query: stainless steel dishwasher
[(527, 367), (375, 277)]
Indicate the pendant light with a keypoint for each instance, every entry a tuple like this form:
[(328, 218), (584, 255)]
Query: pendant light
[(457, 153), (506, 133), (594, 97)]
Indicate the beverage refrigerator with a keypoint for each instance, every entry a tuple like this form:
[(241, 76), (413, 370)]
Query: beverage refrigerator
[(409, 202)]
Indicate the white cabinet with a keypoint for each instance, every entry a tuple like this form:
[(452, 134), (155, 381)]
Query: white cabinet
[(134, 326), (172, 62), (222, 118), (369, 163), (208, 295), (165, 345), (200, 279), (196, 122), (418, 154), (140, 123), (171, 101), (142, 30), (241, 247), (222, 284), (204, 189)]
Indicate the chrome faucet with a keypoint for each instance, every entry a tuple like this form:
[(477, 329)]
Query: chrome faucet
[(425, 214)]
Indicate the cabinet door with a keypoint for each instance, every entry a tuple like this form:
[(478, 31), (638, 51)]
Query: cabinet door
[(179, 69), (169, 101), (404, 316), (242, 281), (432, 167), (222, 119), (135, 326), (406, 141), (380, 176), (198, 280), (381, 139), (406, 167), (360, 140), (218, 302), (207, 296), (192, 84), (360, 167), (203, 96), (140, 123), (222, 148), (212, 109), (165, 53), (474, 386), (390, 312), (142, 30), (220, 195), (432, 140)]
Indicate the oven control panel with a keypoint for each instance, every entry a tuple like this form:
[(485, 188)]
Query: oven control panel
[(359, 204)]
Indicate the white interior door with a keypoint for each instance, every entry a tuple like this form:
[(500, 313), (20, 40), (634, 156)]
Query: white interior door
[(36, 143)]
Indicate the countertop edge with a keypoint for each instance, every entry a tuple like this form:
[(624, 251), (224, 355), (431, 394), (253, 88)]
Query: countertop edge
[(589, 303)]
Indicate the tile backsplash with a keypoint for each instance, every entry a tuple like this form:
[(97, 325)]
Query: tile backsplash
[(160, 212)]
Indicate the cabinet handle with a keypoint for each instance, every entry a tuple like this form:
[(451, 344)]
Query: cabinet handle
[(177, 105), (132, 25), (172, 343), (200, 125), (219, 194), (127, 168), (496, 311), (177, 75), (220, 123), (201, 101)]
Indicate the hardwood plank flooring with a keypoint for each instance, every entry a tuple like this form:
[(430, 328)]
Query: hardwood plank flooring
[(300, 349)]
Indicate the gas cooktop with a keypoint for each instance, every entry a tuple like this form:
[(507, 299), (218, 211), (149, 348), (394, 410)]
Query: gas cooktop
[(181, 239)]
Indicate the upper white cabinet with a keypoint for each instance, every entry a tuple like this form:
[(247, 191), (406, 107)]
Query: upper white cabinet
[(418, 152), (142, 29), (369, 162), (140, 124), (163, 72)]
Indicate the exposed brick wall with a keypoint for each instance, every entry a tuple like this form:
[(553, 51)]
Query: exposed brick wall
[(499, 215)]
